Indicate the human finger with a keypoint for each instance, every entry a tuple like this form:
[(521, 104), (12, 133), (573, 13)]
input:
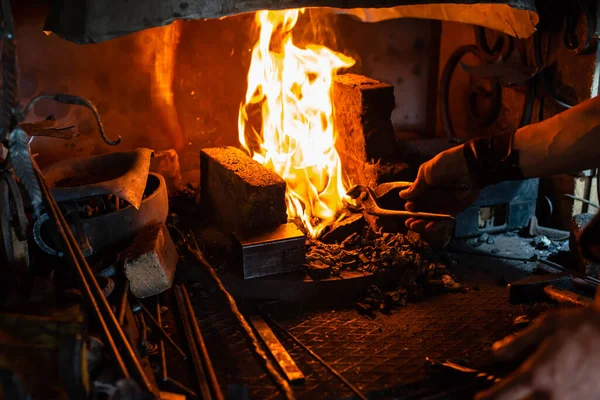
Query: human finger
[(410, 206), (438, 233), (418, 225), (518, 345), (526, 380), (418, 187)]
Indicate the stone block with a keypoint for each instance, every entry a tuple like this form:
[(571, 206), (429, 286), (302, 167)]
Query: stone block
[(151, 261), (239, 193), (166, 163), (363, 109)]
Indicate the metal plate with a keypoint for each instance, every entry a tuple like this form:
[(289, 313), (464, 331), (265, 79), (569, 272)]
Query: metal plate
[(275, 252)]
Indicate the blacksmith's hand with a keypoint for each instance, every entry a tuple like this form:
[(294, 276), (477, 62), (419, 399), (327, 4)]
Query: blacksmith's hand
[(561, 355), (425, 194)]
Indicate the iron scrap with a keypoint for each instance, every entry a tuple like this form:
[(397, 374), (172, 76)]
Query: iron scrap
[(51, 127)]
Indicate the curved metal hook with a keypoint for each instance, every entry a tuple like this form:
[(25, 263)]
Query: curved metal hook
[(74, 100)]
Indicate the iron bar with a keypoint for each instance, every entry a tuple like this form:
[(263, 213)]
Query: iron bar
[(53, 208), (123, 303), (259, 353), (320, 360), (97, 300), (144, 334), (161, 345), (198, 368), (577, 274), (580, 275), (280, 354), (162, 332), (216, 389), (585, 201), (180, 388), (172, 383)]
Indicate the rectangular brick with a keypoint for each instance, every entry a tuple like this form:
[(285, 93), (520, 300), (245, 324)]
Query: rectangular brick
[(363, 109), (239, 193), (151, 261)]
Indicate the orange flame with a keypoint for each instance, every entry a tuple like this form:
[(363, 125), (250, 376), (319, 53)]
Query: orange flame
[(291, 87)]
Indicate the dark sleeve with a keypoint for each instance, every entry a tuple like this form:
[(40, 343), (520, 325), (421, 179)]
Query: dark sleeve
[(589, 240)]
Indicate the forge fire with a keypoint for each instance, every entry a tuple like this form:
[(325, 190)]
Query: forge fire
[(264, 200), (296, 137)]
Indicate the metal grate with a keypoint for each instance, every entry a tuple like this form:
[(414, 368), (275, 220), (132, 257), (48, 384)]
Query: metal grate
[(376, 355)]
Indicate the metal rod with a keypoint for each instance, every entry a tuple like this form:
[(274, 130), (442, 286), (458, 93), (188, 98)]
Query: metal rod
[(279, 353), (585, 201), (172, 383), (144, 333), (161, 345), (106, 309), (577, 274), (162, 332), (180, 387), (259, 353), (218, 394), (567, 297), (198, 368), (54, 211), (90, 285), (319, 359), (580, 275), (123, 303)]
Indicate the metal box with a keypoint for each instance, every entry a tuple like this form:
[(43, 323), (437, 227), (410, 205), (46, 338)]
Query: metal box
[(509, 206), (275, 252)]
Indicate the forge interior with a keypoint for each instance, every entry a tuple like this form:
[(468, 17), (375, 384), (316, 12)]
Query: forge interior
[(176, 201)]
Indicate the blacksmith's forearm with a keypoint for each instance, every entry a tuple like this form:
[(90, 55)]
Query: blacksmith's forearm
[(566, 143)]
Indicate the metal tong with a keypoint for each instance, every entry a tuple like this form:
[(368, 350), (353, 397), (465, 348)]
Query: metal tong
[(368, 198)]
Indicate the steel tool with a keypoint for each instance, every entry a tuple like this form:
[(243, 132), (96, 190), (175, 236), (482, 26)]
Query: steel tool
[(368, 198)]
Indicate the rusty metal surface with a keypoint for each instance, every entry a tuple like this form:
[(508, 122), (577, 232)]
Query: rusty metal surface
[(123, 174), (90, 21), (120, 225), (375, 355)]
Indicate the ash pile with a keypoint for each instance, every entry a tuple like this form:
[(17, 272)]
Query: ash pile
[(368, 252)]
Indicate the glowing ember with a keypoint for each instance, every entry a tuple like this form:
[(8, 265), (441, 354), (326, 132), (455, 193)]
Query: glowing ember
[(290, 88)]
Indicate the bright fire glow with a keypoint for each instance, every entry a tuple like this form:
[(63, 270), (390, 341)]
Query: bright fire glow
[(286, 122)]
